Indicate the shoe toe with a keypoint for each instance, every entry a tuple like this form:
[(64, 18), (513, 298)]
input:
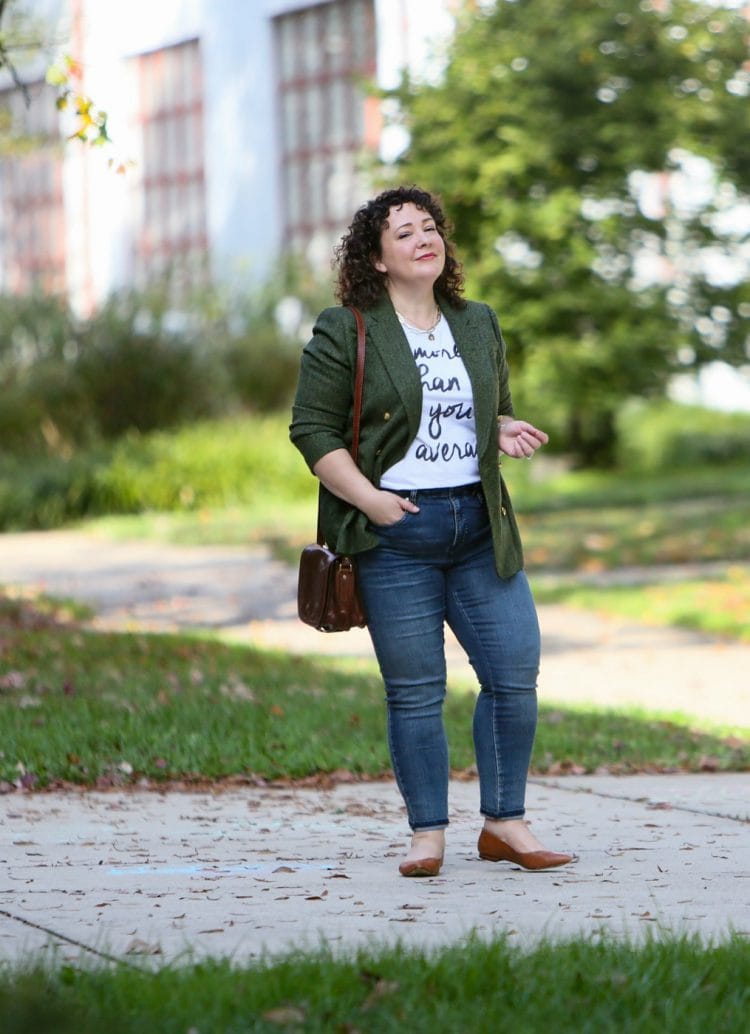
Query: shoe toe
[(421, 867)]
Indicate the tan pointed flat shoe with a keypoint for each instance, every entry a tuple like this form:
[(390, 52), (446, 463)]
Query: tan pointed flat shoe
[(493, 848)]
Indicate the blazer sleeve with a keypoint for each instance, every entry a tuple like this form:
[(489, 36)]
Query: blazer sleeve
[(505, 401), (321, 413)]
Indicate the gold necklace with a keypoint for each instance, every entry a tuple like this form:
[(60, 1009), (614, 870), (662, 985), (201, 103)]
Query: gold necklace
[(430, 332)]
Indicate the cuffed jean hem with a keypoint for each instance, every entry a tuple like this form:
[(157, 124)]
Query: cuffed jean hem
[(428, 827), (504, 816)]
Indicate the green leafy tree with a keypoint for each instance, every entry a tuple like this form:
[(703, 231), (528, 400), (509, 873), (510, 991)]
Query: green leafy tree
[(564, 140)]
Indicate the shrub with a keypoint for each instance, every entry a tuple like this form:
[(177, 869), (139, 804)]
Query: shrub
[(140, 364), (139, 375), (212, 464), (42, 405), (267, 330), (663, 435), (263, 367), (46, 492), (33, 328)]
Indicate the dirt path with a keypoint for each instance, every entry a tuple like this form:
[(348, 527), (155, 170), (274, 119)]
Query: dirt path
[(246, 595)]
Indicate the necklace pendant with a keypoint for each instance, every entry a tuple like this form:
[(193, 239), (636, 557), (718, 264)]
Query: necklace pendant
[(431, 336)]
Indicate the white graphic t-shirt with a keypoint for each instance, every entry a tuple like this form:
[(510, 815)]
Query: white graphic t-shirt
[(444, 453)]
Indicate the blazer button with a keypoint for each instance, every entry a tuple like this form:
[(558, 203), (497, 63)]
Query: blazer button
[(503, 511), (386, 416)]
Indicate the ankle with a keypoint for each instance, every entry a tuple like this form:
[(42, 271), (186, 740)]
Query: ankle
[(514, 832), (427, 843), (501, 827), (434, 838)]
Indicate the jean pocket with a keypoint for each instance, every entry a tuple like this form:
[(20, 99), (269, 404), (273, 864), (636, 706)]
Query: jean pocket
[(381, 528)]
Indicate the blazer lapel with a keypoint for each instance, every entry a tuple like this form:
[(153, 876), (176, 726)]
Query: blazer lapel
[(387, 337), (476, 343)]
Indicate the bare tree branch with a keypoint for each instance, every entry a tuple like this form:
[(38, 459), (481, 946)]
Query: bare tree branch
[(5, 62)]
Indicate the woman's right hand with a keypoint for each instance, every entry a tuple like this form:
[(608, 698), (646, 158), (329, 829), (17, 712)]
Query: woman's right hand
[(338, 472), (388, 508)]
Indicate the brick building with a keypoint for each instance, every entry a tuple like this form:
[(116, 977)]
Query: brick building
[(248, 122)]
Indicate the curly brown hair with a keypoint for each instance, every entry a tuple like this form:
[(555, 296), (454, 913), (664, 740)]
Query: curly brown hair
[(359, 282)]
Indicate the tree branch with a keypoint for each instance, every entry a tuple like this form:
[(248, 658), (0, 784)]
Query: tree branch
[(5, 62)]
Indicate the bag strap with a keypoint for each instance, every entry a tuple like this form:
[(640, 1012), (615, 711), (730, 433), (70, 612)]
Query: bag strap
[(359, 381)]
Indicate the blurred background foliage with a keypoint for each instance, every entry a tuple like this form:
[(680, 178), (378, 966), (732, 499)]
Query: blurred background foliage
[(139, 408), (591, 156), (142, 406), (139, 364)]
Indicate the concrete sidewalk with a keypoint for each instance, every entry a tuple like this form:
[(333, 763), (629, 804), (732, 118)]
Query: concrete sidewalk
[(260, 870)]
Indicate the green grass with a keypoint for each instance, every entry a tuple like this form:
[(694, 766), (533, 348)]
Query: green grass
[(22, 606), (601, 520), (544, 485), (595, 986), (571, 539), (605, 538), (284, 524), (104, 709), (716, 606), (579, 520)]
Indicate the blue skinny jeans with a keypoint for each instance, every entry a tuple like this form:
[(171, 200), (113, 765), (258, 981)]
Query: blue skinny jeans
[(429, 568)]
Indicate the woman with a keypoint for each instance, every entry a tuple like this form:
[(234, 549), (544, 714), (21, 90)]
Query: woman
[(426, 512)]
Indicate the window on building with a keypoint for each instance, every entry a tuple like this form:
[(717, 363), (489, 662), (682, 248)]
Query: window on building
[(32, 222), (323, 54), (169, 184)]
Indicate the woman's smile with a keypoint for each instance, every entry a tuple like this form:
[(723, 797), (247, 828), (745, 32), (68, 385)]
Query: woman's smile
[(409, 238)]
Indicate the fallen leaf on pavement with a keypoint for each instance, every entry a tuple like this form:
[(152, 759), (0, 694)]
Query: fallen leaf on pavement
[(139, 947)]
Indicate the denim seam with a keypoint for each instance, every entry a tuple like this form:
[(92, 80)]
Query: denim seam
[(496, 751), (401, 783), (397, 772), (498, 776)]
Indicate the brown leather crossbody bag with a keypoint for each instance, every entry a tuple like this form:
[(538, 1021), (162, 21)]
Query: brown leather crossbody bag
[(327, 595)]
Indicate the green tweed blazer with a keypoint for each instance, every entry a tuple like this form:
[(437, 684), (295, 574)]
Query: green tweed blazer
[(391, 411)]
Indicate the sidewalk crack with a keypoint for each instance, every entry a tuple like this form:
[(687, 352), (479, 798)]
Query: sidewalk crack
[(70, 940), (554, 785)]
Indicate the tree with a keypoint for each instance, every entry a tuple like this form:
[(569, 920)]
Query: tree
[(20, 37), (564, 141)]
